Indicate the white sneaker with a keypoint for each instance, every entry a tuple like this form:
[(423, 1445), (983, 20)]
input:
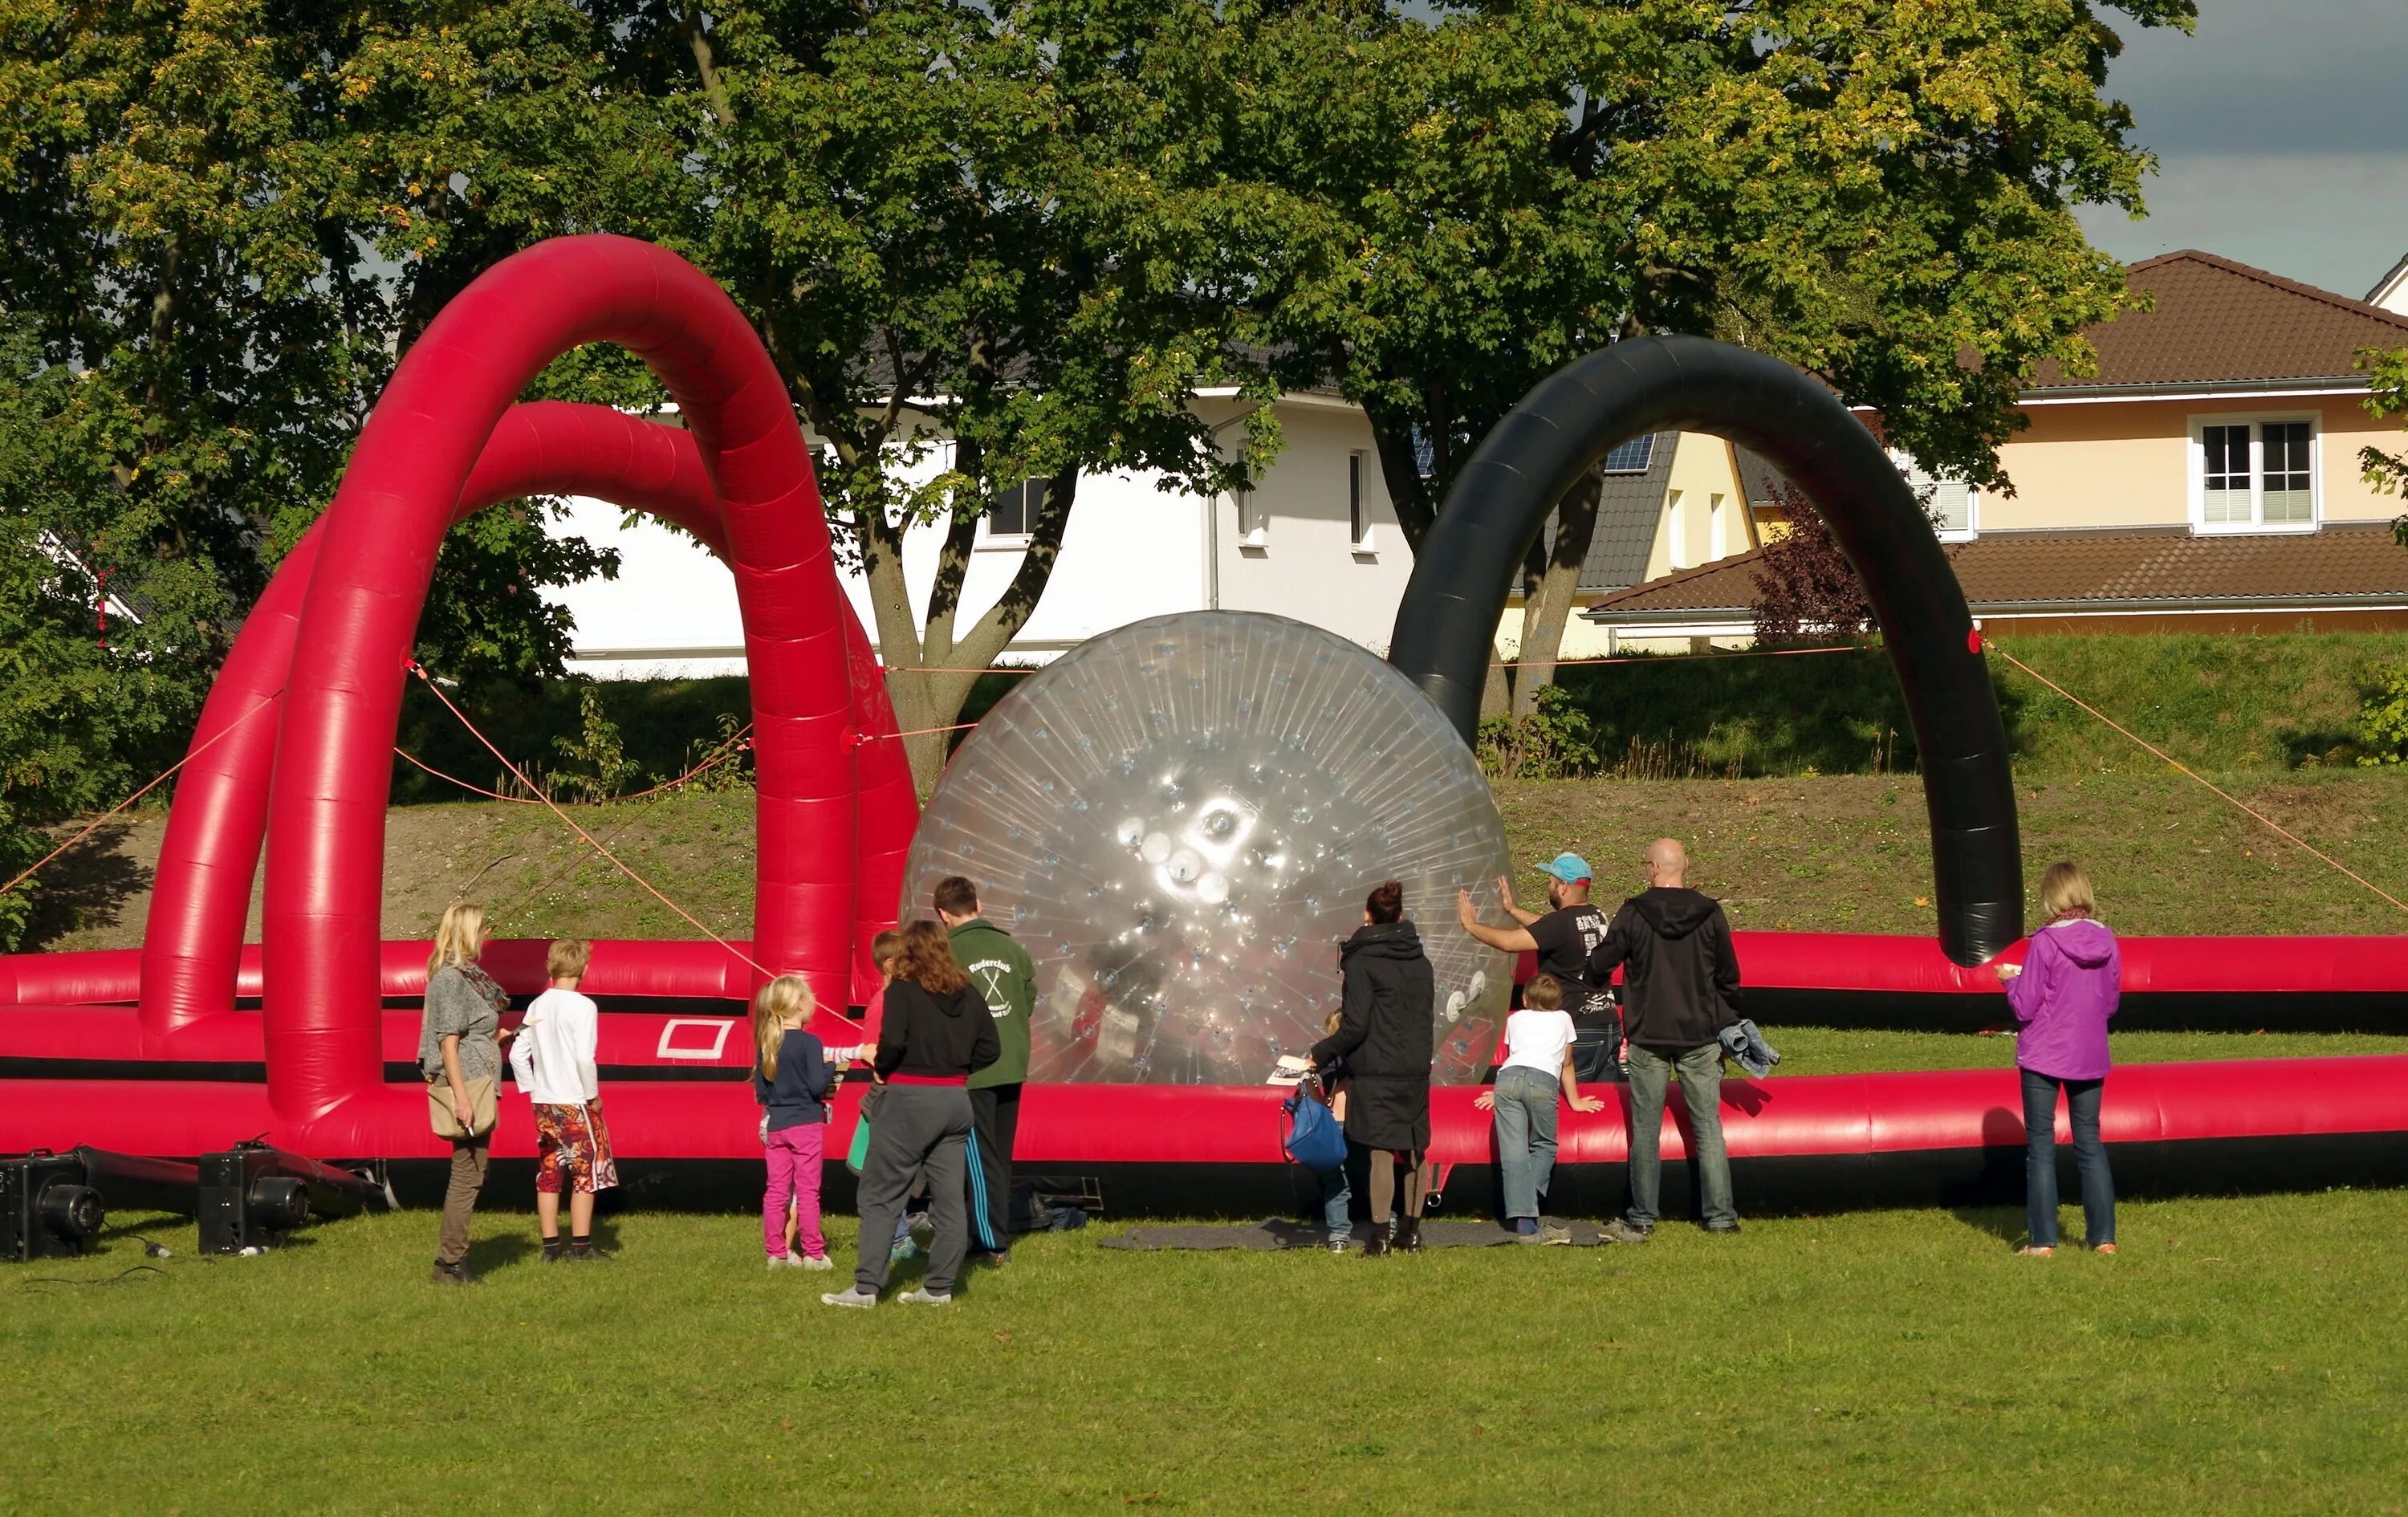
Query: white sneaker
[(785, 1261), (805, 1261), (925, 1298), (852, 1297)]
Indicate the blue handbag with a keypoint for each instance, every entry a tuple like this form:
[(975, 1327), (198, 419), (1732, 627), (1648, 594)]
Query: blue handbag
[(1314, 1137)]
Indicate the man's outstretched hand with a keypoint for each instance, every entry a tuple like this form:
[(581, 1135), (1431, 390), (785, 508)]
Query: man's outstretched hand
[(1465, 911)]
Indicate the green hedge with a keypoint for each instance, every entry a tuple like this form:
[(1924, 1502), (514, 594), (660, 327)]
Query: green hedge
[(2223, 703)]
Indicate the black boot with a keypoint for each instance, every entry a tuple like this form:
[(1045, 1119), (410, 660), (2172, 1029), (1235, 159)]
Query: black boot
[(1409, 1236), (1376, 1246)]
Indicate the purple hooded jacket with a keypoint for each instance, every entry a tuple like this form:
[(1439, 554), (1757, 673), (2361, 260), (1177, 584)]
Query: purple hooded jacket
[(2072, 979)]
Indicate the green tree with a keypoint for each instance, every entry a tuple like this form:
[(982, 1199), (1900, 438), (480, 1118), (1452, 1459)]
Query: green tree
[(227, 221), (81, 713), (2386, 395), (1882, 194), (987, 244)]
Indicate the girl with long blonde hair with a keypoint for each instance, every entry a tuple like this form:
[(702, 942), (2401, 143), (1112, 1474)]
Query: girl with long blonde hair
[(459, 1038), (791, 1081), (2063, 994)]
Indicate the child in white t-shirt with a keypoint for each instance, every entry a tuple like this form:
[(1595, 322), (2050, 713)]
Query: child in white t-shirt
[(1538, 1069), (553, 1061)]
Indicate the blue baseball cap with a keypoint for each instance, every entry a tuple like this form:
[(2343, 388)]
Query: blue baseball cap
[(1571, 868)]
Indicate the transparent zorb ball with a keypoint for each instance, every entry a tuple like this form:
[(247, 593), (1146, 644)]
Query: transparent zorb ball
[(1179, 821)]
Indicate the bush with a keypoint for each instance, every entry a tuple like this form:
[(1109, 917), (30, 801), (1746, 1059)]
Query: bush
[(1558, 741), (2383, 717)]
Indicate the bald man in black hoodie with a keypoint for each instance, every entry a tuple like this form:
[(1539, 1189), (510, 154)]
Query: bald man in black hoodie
[(1680, 989)]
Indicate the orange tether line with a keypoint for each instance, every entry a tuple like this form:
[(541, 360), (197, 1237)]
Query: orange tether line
[(2270, 823), (265, 701)]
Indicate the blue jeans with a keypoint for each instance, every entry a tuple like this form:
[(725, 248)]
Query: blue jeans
[(1337, 1200), (1701, 1088), (2089, 1159), (1525, 1137)]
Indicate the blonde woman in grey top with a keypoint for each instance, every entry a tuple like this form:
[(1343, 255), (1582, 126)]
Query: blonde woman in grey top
[(460, 1039)]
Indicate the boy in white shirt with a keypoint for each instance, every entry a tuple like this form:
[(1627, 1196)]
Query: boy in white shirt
[(553, 1061), (1537, 1068)]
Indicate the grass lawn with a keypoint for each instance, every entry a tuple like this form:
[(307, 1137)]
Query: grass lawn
[(1833, 854), (2241, 1355)]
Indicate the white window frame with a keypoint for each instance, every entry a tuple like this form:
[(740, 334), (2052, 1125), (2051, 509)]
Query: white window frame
[(1676, 532), (1973, 527), (2256, 422), (991, 542), (1359, 508)]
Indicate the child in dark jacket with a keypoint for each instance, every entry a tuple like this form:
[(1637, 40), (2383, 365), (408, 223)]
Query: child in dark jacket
[(791, 1081), (1337, 1195)]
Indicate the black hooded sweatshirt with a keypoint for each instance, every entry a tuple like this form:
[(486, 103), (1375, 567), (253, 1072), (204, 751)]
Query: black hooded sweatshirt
[(934, 1037), (1679, 979)]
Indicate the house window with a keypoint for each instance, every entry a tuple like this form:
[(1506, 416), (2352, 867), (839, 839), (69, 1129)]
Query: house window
[(1252, 530), (2255, 476), (1676, 533), (1359, 527), (1954, 505), (1718, 532), (1014, 513), (1631, 457)]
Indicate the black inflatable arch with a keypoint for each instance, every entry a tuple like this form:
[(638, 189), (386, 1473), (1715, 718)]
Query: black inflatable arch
[(1564, 427)]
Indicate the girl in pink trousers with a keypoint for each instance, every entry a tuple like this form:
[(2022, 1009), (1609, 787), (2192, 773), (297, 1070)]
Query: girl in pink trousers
[(791, 1081)]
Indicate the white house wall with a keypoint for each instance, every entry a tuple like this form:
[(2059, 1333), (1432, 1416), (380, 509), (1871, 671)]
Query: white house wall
[(1131, 550)]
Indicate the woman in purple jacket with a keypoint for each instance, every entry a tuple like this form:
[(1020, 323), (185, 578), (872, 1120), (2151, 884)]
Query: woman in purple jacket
[(2063, 994)]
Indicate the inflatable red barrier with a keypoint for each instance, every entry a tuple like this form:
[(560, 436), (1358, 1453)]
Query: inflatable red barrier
[(161, 1053)]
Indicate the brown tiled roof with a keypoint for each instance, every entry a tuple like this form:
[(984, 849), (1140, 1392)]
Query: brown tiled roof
[(2220, 322), (2127, 569)]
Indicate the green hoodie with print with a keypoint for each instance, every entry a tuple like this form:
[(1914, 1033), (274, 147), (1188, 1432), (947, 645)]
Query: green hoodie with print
[(1000, 972)]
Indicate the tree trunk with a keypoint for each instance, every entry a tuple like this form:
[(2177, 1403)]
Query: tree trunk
[(931, 672), (1546, 610)]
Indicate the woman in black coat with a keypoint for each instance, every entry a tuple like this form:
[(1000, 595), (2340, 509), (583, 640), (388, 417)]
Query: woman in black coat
[(1384, 1035)]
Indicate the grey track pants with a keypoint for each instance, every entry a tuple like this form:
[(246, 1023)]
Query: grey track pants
[(916, 1130)]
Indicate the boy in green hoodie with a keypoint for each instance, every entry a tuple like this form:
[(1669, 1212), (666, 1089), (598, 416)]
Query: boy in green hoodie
[(1000, 972)]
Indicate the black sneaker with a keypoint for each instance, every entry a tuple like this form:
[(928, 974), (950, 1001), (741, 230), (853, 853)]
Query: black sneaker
[(451, 1274), (1729, 1230)]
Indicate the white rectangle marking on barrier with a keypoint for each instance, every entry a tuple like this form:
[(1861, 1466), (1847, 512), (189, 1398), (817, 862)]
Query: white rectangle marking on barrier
[(671, 1047)]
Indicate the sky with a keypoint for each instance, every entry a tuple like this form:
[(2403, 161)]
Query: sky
[(2281, 130)]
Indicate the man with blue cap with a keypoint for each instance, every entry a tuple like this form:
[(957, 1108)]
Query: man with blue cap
[(1563, 936)]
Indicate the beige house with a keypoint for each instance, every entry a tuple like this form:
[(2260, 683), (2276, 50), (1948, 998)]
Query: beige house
[(2205, 478)]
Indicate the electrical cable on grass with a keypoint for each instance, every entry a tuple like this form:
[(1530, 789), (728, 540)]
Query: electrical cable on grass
[(112, 1280)]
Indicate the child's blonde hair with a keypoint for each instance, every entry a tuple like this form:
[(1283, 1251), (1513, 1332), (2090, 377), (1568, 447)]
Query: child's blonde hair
[(884, 949), (457, 937), (1331, 1023), (783, 1002), (1544, 993), (566, 958), (2065, 892)]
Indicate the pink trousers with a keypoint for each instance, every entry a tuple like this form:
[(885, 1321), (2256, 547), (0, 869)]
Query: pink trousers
[(794, 1155)]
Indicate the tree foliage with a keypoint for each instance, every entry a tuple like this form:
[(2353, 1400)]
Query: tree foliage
[(1806, 590), (986, 244), (223, 222), (2387, 396), (1880, 194), (990, 242)]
